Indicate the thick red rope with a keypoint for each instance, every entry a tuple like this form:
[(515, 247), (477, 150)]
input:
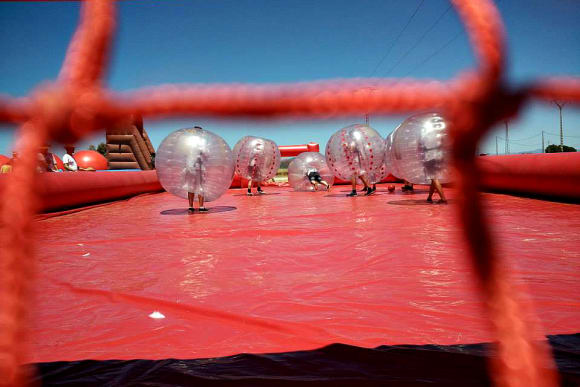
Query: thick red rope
[(77, 105)]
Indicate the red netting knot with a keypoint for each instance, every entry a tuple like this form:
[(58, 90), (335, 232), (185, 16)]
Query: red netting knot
[(479, 107), (69, 114)]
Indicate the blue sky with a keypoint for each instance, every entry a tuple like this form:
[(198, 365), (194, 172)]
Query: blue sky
[(270, 41)]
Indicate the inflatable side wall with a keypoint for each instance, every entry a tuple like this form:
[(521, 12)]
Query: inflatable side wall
[(547, 175), (554, 175), (60, 191)]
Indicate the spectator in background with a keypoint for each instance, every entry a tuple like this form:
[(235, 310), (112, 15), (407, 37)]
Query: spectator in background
[(70, 164), (40, 163), (68, 160), (48, 161), (7, 168)]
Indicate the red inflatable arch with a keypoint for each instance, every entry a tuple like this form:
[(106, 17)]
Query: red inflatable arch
[(295, 150)]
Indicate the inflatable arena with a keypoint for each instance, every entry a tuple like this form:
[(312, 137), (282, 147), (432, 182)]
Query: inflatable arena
[(383, 258)]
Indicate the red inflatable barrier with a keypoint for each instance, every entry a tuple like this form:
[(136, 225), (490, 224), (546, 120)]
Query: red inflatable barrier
[(295, 150), (239, 182), (75, 189), (555, 175), (388, 179), (547, 174)]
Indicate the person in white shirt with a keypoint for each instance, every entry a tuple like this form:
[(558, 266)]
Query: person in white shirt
[(254, 168), (69, 162), (194, 177)]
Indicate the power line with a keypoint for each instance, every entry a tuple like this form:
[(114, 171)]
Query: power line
[(419, 40), (522, 139), (397, 38), (523, 144), (544, 142), (516, 142), (527, 138), (554, 134), (433, 54)]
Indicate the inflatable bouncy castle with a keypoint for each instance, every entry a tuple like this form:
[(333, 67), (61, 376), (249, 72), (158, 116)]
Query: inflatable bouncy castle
[(129, 147)]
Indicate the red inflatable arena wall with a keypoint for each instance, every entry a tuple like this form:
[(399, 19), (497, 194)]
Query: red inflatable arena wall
[(75, 189), (547, 174), (554, 175)]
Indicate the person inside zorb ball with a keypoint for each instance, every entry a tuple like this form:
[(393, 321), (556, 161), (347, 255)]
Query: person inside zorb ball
[(308, 170), (195, 162), (194, 175), (257, 160), (420, 152), (378, 173), (432, 149), (353, 153)]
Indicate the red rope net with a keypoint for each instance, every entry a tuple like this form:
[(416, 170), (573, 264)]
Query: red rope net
[(78, 104)]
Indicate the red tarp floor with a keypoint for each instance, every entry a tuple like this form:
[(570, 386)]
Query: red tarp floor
[(286, 271)]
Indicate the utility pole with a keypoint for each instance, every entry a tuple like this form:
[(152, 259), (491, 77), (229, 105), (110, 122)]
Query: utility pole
[(507, 143), (496, 153), (368, 90), (560, 106), (543, 147)]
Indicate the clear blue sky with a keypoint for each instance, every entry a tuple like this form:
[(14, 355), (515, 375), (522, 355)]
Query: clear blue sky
[(258, 41)]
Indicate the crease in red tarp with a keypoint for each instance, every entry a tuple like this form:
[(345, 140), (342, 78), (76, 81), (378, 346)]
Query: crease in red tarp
[(190, 311)]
